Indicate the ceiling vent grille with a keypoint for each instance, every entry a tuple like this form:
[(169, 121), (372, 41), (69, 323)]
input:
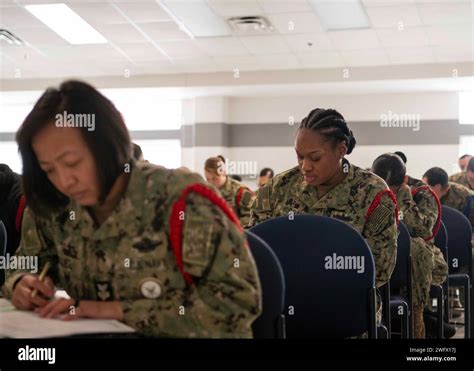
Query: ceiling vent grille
[(250, 25), (9, 38)]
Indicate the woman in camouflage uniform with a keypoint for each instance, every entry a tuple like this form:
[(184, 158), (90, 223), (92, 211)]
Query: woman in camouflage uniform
[(154, 248), (325, 183)]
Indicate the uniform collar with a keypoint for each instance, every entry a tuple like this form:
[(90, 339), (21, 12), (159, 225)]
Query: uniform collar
[(309, 195), (126, 214)]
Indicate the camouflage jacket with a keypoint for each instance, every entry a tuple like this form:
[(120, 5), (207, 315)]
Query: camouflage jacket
[(349, 201), (461, 178), (418, 209), (456, 197), (129, 258), (239, 197)]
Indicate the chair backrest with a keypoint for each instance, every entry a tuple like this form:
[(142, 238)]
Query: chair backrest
[(469, 209), (329, 275), (400, 275), (459, 232), (270, 324), (441, 240)]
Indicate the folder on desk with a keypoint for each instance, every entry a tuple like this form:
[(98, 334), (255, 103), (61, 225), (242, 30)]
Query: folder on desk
[(27, 324)]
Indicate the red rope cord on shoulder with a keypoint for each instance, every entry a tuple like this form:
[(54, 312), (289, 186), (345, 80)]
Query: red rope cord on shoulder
[(376, 203), (438, 205), (176, 222), (19, 213)]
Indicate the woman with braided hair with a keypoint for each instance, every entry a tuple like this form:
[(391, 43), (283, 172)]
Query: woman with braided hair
[(325, 183)]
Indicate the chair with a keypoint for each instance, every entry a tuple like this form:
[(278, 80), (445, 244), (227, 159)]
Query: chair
[(460, 258), (441, 242), (469, 209), (401, 305), (329, 276), (3, 249), (271, 323)]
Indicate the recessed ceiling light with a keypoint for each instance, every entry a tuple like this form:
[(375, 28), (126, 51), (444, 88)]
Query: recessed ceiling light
[(66, 23), (341, 15), (196, 18)]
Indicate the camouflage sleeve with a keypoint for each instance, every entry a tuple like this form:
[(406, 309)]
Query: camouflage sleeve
[(34, 245), (261, 208), (420, 217), (225, 297), (380, 232), (245, 200)]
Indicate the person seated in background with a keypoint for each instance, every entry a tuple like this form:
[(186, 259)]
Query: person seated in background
[(412, 182), (450, 194), (238, 196), (12, 206), (418, 209), (325, 183), (114, 233), (265, 175), (463, 161), (465, 178)]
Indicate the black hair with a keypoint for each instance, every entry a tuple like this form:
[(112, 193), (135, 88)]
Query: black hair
[(402, 156), (464, 156), (109, 142), (331, 124), (8, 181), (236, 177), (265, 170), (221, 158), (470, 165), (435, 176), (390, 167)]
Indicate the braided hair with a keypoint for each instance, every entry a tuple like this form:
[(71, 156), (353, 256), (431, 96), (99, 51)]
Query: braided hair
[(330, 124)]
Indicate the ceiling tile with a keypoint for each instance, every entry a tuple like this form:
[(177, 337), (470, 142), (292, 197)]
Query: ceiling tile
[(320, 60), (278, 61), (181, 49), (407, 37), (220, 46), (120, 33), (451, 35), (354, 39), (240, 63), (309, 43), (442, 13), (265, 44), (374, 57), (163, 31), (80, 53), (394, 16), (16, 17), (142, 52), (420, 54), (97, 13), (39, 36), (235, 8), (282, 6), (453, 54), (294, 23), (377, 3), (144, 12)]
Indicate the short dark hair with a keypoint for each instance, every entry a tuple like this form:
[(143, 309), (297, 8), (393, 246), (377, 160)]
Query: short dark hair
[(435, 176), (464, 156), (390, 167), (236, 177), (8, 180), (470, 165), (221, 157), (402, 156), (109, 142), (331, 124), (265, 171)]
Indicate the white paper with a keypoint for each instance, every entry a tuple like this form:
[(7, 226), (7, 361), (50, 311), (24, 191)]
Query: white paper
[(27, 324)]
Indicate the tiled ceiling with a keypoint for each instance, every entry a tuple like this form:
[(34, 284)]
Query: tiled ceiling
[(143, 39)]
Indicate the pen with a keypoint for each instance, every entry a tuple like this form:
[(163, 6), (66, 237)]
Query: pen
[(41, 278)]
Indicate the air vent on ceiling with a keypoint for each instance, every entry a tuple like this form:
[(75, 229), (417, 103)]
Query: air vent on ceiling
[(10, 38), (250, 25)]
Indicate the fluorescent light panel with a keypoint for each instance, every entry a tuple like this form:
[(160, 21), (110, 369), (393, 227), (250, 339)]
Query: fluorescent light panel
[(196, 18), (341, 15), (66, 23)]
